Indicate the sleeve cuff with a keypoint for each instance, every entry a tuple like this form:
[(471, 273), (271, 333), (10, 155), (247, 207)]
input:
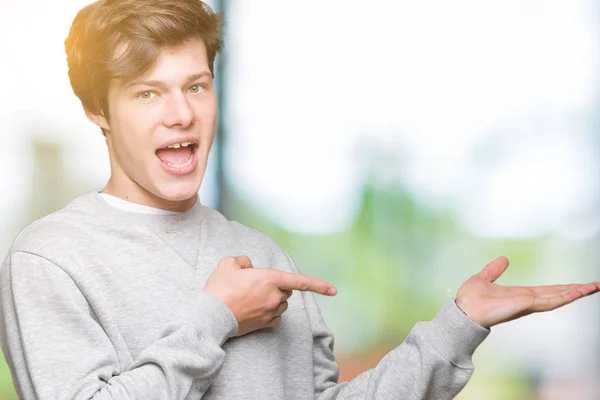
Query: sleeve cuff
[(212, 317), (453, 334)]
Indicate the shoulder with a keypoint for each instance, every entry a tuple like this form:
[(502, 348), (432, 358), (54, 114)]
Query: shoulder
[(254, 237), (250, 237), (53, 232)]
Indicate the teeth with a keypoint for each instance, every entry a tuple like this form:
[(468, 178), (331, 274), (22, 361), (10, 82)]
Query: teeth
[(178, 145)]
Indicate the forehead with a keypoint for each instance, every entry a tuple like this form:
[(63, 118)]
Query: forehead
[(189, 54), (175, 63)]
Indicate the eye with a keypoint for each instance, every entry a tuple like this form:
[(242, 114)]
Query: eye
[(196, 89), (147, 95)]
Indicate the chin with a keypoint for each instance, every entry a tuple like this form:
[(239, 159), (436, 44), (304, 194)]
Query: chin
[(177, 192), (179, 195)]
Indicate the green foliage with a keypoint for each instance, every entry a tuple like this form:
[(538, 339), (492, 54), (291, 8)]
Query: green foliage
[(7, 390)]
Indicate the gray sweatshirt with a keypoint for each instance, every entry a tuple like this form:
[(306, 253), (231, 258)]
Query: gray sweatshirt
[(101, 303)]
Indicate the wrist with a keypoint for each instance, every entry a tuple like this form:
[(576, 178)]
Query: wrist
[(463, 306)]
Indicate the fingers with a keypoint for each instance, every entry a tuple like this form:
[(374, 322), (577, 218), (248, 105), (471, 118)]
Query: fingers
[(280, 309), (590, 288), (290, 281), (274, 322), (285, 294), (552, 302), (552, 290), (542, 304), (493, 270), (277, 313)]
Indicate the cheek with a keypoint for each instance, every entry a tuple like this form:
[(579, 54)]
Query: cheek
[(208, 113), (207, 104), (134, 134)]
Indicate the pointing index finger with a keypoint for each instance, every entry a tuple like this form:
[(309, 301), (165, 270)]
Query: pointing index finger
[(305, 283)]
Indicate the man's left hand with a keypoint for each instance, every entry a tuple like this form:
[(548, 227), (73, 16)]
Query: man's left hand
[(489, 304)]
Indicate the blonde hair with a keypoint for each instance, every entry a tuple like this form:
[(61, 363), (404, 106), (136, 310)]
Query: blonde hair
[(122, 39)]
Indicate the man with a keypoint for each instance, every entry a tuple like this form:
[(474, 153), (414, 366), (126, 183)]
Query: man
[(141, 292)]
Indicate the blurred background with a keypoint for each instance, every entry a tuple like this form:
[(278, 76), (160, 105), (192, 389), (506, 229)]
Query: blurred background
[(391, 147)]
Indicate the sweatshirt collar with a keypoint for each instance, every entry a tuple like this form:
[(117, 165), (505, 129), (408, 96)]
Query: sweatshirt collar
[(168, 222)]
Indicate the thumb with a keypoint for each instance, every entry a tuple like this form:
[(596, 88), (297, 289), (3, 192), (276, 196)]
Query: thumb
[(243, 262), (493, 270)]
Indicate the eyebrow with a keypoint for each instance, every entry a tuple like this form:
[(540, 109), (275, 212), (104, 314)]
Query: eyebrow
[(160, 84)]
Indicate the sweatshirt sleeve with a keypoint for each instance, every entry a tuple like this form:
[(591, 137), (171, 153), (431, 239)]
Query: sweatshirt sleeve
[(56, 349), (433, 363)]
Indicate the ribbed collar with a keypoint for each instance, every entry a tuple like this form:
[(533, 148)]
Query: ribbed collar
[(174, 222)]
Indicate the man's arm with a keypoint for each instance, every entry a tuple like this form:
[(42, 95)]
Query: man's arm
[(433, 362), (57, 349)]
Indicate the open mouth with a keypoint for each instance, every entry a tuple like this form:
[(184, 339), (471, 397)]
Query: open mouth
[(179, 155)]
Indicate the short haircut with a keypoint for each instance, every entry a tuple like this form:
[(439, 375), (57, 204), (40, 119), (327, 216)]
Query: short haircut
[(122, 39)]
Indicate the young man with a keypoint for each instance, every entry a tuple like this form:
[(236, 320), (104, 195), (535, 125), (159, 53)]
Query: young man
[(141, 292)]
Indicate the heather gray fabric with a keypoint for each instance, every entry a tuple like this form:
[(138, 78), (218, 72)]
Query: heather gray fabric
[(101, 303)]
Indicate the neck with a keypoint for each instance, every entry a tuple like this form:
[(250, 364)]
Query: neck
[(146, 198)]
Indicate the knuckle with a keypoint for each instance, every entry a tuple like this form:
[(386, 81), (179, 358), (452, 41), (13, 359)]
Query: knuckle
[(271, 278), (303, 283), (272, 304), (222, 261), (229, 260), (243, 260)]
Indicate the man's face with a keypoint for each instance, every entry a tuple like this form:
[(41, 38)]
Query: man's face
[(175, 105)]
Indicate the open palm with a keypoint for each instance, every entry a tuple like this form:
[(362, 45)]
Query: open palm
[(489, 304)]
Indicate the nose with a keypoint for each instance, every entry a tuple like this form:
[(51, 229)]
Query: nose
[(178, 111)]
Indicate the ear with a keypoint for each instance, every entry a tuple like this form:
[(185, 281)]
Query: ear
[(98, 119)]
